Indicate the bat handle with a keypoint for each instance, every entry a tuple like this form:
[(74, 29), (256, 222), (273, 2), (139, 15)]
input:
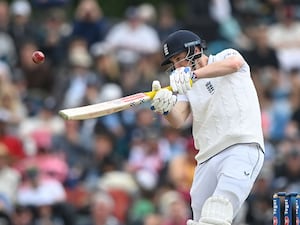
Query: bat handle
[(151, 94)]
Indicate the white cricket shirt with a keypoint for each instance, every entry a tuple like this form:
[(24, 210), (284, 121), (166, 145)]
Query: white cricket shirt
[(225, 110)]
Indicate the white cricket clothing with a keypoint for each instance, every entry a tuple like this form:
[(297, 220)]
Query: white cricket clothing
[(230, 174), (216, 210), (225, 110)]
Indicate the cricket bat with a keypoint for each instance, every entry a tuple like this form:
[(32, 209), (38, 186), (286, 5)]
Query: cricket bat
[(106, 108)]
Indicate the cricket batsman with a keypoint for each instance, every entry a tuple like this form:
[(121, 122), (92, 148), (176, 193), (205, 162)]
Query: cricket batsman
[(226, 123)]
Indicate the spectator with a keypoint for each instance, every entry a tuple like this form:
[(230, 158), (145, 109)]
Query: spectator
[(198, 18), (101, 212), (268, 10), (34, 86), (104, 157), (45, 214), (181, 170), (53, 35), (21, 26), (9, 177), (8, 49), (112, 123), (289, 168), (143, 204), (274, 91), (122, 187), (23, 215), (262, 56), (73, 85), (167, 22), (173, 208), (51, 166), (173, 141), (105, 63), (70, 148), (11, 102), (147, 158), (89, 22), (146, 71), (47, 197), (13, 142), (230, 29), (144, 120), (131, 38), (287, 46), (35, 191), (37, 131), (147, 12)]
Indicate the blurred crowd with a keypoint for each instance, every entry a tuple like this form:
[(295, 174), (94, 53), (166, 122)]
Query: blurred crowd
[(131, 167)]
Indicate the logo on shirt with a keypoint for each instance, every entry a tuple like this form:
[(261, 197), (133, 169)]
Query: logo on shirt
[(210, 87), (246, 173), (166, 50)]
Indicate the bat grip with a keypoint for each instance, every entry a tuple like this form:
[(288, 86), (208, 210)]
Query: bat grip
[(151, 94)]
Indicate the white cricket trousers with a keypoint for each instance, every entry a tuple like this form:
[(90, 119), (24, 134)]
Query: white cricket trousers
[(231, 174)]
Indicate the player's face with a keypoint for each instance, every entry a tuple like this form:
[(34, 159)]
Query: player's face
[(180, 60)]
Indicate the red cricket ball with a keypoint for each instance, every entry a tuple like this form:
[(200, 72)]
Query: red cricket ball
[(38, 57)]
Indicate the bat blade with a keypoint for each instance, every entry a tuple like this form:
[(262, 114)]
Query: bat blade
[(105, 108)]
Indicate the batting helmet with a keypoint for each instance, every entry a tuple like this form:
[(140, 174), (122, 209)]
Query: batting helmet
[(180, 41)]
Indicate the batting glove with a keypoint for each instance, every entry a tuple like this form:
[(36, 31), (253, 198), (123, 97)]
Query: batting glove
[(164, 100), (180, 80)]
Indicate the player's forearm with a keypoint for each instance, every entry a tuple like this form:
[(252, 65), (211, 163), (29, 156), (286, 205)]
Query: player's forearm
[(178, 115), (220, 68), (174, 119)]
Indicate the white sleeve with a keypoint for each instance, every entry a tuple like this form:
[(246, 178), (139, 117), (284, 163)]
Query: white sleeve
[(182, 98), (227, 53), (232, 52)]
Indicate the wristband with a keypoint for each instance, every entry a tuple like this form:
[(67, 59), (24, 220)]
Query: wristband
[(193, 77)]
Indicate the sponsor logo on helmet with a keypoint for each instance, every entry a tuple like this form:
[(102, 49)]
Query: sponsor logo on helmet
[(166, 50), (192, 43)]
